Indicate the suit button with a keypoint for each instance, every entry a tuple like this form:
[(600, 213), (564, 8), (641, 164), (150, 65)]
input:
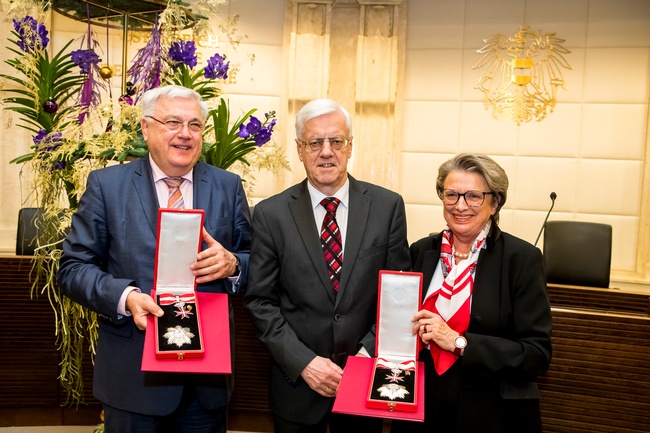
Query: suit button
[(338, 317)]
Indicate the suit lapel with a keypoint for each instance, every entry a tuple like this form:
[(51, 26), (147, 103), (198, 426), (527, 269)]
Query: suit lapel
[(303, 216), (488, 281), (201, 189), (429, 265), (357, 221), (143, 183)]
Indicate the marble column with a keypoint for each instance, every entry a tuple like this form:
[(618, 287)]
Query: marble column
[(353, 52)]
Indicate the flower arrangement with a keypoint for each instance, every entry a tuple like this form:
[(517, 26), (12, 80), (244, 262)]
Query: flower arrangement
[(58, 99), (242, 137), (47, 84), (182, 59)]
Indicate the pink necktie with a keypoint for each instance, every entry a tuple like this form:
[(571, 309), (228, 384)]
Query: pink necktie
[(330, 239), (175, 196)]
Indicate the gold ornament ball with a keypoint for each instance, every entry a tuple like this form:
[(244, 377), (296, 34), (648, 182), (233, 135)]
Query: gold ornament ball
[(106, 72)]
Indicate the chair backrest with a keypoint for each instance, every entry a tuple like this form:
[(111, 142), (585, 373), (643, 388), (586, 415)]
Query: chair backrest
[(27, 230), (31, 225), (578, 253)]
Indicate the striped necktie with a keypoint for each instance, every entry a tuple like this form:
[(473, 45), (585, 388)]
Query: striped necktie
[(175, 196), (330, 239)]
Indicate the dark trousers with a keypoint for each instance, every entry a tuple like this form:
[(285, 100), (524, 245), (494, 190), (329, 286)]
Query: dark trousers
[(337, 423), (189, 417)]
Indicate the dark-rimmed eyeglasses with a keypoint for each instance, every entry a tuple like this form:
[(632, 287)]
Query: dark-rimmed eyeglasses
[(316, 143), (176, 125), (472, 198)]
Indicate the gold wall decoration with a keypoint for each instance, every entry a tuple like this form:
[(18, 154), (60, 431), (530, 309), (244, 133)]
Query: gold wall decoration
[(523, 74)]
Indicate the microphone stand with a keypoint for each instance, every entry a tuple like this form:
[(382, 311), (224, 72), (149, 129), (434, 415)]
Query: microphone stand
[(553, 197)]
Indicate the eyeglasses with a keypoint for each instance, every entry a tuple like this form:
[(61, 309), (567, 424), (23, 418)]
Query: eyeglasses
[(316, 143), (472, 198), (176, 125)]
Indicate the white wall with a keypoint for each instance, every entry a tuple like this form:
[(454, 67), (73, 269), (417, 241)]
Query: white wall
[(591, 150)]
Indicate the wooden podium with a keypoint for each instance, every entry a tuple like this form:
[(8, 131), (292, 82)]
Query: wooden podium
[(599, 378)]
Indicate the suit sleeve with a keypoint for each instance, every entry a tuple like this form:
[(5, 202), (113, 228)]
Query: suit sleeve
[(82, 272), (522, 349), (241, 239), (262, 300)]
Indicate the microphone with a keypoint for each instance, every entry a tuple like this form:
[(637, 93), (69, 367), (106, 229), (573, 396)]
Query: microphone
[(553, 197)]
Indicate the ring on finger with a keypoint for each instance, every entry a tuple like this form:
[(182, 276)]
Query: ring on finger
[(426, 328)]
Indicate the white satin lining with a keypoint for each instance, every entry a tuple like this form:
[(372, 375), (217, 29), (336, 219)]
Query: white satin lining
[(398, 303), (179, 238)]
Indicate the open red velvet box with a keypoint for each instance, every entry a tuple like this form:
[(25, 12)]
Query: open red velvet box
[(392, 384), (178, 332), (394, 379)]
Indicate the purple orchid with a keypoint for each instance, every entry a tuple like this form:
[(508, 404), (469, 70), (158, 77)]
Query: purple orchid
[(254, 130), (47, 142), (253, 127), (216, 68), (85, 59), (183, 52), (264, 135), (33, 35)]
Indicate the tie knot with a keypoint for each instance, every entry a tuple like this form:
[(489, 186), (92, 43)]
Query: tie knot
[(173, 182), (330, 204)]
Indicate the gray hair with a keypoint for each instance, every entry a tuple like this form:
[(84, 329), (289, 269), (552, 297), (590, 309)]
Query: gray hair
[(150, 97), (495, 176), (320, 107)]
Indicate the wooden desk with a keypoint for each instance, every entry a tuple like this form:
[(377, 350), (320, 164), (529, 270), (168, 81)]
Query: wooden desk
[(29, 364), (598, 381), (597, 299), (599, 378)]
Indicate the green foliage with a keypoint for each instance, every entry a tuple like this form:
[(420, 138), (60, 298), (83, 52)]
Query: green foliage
[(227, 147), (45, 79), (184, 76)]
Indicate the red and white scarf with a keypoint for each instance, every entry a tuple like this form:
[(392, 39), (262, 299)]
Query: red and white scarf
[(452, 299)]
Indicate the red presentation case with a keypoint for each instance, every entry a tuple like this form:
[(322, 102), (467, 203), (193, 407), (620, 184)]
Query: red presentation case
[(392, 384), (166, 347), (178, 331), (216, 358)]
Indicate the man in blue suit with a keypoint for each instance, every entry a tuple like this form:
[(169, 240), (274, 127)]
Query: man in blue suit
[(108, 266)]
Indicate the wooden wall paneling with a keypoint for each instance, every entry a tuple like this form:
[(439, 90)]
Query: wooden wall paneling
[(249, 406), (599, 379), (29, 366), (606, 300)]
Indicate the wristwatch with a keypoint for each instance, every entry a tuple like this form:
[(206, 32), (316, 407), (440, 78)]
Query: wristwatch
[(237, 265), (460, 342)]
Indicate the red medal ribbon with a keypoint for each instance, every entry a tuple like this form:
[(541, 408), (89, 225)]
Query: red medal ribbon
[(170, 298), (404, 366)]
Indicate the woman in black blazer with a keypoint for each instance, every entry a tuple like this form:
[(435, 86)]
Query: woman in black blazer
[(485, 320)]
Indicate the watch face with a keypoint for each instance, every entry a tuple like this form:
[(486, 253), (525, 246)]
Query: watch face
[(460, 342)]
